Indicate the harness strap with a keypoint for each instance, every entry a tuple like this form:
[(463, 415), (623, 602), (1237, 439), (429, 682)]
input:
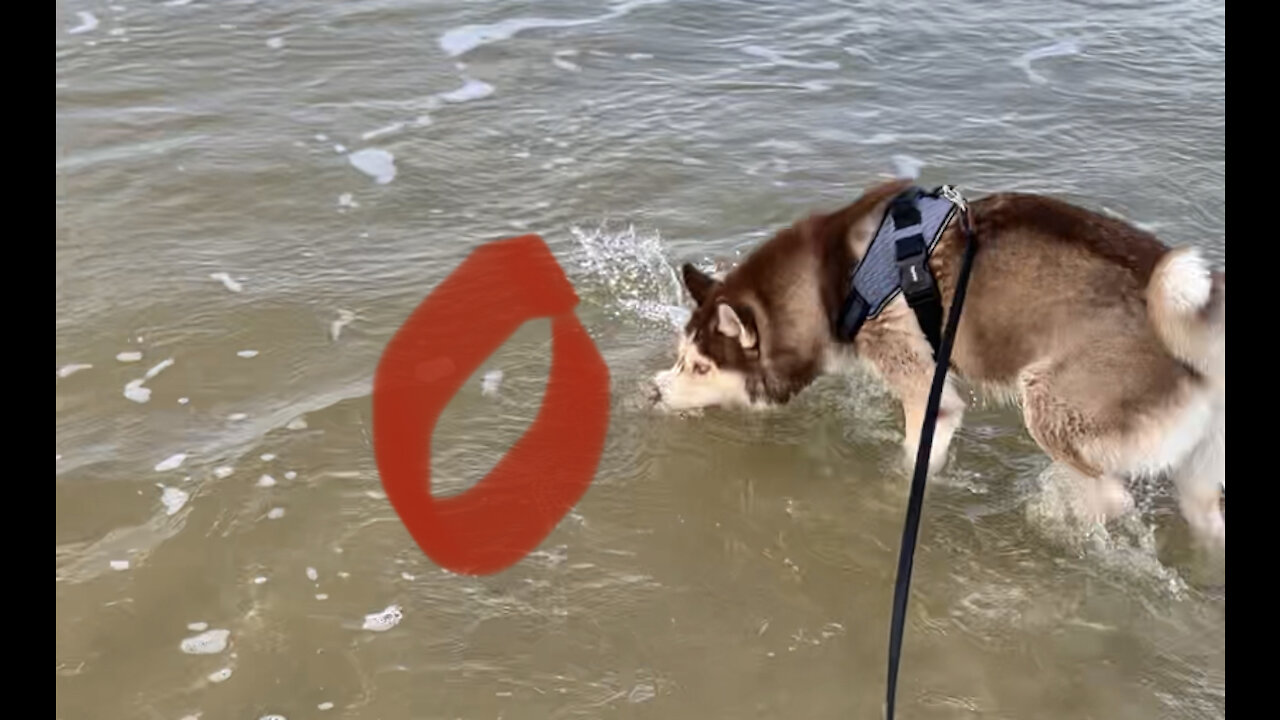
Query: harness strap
[(917, 281), (897, 260)]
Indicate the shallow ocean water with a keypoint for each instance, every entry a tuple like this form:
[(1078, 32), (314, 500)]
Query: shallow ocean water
[(251, 197)]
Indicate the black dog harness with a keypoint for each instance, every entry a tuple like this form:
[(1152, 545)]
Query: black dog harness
[(898, 261)]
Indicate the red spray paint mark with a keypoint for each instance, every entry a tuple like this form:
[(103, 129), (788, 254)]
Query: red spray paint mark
[(500, 520)]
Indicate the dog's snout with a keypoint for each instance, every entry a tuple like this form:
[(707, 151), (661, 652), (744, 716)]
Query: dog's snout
[(656, 386)]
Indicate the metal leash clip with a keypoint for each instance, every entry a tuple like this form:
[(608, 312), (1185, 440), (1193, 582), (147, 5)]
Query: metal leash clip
[(952, 194)]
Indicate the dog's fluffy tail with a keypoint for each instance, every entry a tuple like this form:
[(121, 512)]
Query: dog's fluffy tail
[(1187, 304)]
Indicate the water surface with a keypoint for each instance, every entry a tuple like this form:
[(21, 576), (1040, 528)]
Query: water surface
[(251, 197)]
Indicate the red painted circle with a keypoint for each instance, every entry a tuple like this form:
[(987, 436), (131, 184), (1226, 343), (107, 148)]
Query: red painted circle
[(496, 523)]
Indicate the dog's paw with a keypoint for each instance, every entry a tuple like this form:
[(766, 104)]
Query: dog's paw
[(938, 455), (1107, 499)]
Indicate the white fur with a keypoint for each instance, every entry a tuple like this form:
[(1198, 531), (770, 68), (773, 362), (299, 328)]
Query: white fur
[(1158, 443), (683, 388), (1200, 479), (1186, 281)]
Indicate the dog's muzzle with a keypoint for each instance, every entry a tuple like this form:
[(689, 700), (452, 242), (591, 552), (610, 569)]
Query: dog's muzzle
[(655, 393)]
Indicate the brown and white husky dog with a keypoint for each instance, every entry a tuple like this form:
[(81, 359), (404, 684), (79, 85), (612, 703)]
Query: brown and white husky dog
[(1113, 344)]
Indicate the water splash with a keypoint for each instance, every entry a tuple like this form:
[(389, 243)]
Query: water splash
[(633, 272), (1125, 546)]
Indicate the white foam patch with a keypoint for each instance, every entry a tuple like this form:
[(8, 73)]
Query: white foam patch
[(345, 200), (273, 717), (129, 356), (461, 40), (408, 576), (173, 499), (267, 457), (209, 642), (1063, 48), (198, 626), (325, 706), (173, 462), (246, 354), (266, 481), (322, 596), (345, 318), (470, 90), (289, 474), (223, 471), (227, 281), (275, 513), (312, 575), (177, 3), (237, 417), (260, 580), (70, 369), (275, 43), (183, 400), (297, 423), (119, 565), (88, 23), (390, 129), (384, 620), (218, 676), (490, 383), (136, 392), (158, 368), (376, 163)]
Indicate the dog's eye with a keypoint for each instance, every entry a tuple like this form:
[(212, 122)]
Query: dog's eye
[(701, 368)]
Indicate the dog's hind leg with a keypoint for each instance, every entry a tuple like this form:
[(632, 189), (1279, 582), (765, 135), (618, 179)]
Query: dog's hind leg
[(1200, 480), (1062, 429)]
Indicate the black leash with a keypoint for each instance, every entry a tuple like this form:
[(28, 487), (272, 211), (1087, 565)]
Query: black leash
[(911, 528)]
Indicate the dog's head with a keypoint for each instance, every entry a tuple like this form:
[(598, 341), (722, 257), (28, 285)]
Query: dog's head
[(718, 362), (759, 334)]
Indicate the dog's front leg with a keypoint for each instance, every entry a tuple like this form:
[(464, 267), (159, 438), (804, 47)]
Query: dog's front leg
[(904, 360)]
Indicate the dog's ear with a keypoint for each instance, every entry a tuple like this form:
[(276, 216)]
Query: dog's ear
[(698, 283), (737, 323)]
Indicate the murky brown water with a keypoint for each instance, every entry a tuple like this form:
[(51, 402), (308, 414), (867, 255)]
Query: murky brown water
[(212, 218)]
